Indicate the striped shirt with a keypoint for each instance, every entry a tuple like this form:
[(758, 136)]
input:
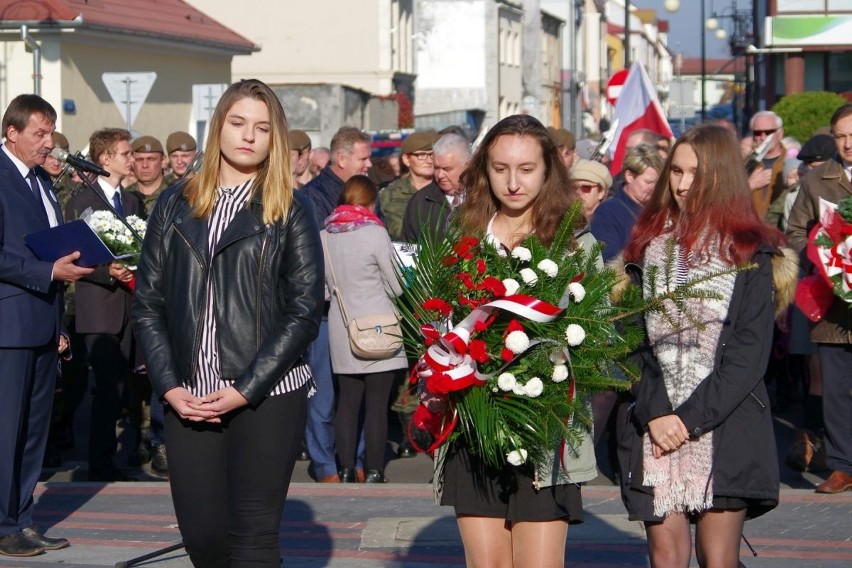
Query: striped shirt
[(207, 380)]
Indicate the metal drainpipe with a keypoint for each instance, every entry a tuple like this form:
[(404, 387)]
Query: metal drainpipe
[(32, 44)]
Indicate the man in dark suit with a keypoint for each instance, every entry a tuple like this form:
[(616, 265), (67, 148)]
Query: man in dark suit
[(31, 315), (103, 303)]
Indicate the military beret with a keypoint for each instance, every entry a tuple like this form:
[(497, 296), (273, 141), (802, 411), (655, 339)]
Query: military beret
[(589, 170), (147, 144), (299, 140), (180, 141), (562, 137), (818, 148), (60, 141), (420, 141)]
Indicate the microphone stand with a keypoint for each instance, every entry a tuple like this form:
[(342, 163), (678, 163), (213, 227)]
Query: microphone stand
[(97, 191)]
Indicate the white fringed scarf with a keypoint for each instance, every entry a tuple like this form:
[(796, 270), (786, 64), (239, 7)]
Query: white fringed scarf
[(681, 478)]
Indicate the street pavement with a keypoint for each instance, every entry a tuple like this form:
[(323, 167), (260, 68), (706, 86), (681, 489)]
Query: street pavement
[(398, 524)]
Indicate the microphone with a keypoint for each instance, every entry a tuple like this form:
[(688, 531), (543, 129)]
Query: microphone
[(78, 162)]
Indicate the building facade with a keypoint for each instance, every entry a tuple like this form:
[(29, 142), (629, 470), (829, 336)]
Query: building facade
[(70, 52)]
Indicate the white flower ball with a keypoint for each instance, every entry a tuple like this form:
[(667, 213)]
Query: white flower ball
[(529, 276), (576, 289), (560, 373), (517, 457), (517, 342), (534, 387), (511, 285), (522, 254), (549, 267), (575, 334), (519, 389), (506, 381)]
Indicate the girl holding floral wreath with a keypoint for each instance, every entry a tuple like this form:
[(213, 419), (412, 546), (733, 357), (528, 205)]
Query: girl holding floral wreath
[(703, 448), (516, 515)]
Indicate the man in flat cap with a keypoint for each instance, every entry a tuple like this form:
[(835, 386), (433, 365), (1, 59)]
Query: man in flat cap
[(592, 181), (418, 160), (181, 148), (565, 143), (149, 161), (300, 154)]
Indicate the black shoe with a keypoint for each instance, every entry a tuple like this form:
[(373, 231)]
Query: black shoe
[(375, 476), (141, 456), (405, 450), (347, 475), (18, 545), (109, 475), (159, 462), (303, 453), (47, 543)]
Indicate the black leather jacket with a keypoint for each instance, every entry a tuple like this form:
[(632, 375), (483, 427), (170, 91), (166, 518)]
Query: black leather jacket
[(268, 290)]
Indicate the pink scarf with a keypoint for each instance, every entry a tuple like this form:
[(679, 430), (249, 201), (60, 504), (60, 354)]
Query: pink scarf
[(350, 217)]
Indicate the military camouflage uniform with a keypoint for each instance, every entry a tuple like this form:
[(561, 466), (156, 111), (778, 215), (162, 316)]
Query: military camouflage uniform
[(147, 200), (65, 189), (393, 199)]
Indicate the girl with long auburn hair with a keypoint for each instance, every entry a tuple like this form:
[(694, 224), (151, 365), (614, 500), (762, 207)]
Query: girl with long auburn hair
[(702, 436), (517, 516), (229, 295)]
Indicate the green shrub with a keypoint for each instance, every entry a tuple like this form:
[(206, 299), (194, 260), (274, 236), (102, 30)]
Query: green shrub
[(803, 113)]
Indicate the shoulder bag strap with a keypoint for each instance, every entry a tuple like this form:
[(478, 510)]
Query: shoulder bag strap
[(335, 289)]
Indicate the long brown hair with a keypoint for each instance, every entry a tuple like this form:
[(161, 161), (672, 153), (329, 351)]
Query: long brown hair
[(553, 201), (273, 179), (718, 203)]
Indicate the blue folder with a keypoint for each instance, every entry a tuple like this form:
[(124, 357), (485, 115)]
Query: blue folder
[(62, 240)]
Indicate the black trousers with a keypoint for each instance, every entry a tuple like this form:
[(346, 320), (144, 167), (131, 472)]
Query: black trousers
[(372, 391), (229, 480), (109, 356)]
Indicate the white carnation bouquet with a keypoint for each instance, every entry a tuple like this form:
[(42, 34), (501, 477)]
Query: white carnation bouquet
[(115, 235)]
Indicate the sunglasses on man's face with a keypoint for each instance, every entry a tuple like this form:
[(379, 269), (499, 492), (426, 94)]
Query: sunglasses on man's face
[(764, 132), (586, 188)]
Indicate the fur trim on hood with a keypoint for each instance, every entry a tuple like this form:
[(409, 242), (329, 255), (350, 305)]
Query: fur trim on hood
[(785, 276)]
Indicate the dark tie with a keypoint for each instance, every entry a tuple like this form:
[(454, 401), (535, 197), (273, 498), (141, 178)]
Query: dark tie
[(116, 202), (35, 187)]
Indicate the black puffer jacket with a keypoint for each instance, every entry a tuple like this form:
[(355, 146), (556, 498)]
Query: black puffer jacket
[(268, 286)]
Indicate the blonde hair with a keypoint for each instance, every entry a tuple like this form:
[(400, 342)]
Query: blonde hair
[(273, 179)]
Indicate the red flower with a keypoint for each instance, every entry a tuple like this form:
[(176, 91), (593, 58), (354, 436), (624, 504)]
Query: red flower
[(478, 351), (462, 248), (494, 286), (438, 305), (514, 325), (466, 279), (440, 384), (470, 302), (480, 266), (507, 355), (449, 260)]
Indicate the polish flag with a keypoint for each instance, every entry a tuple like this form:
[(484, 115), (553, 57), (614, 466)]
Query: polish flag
[(637, 107)]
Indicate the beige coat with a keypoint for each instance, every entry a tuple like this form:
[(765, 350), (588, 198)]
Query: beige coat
[(364, 267), (829, 182)]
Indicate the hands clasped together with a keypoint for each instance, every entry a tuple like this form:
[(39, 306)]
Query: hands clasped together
[(668, 433), (208, 408)]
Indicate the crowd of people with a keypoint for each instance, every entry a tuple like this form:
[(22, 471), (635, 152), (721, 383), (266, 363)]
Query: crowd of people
[(228, 348)]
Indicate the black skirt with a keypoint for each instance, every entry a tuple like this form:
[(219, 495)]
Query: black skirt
[(476, 489)]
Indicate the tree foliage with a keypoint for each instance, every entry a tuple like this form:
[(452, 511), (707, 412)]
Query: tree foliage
[(803, 113)]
